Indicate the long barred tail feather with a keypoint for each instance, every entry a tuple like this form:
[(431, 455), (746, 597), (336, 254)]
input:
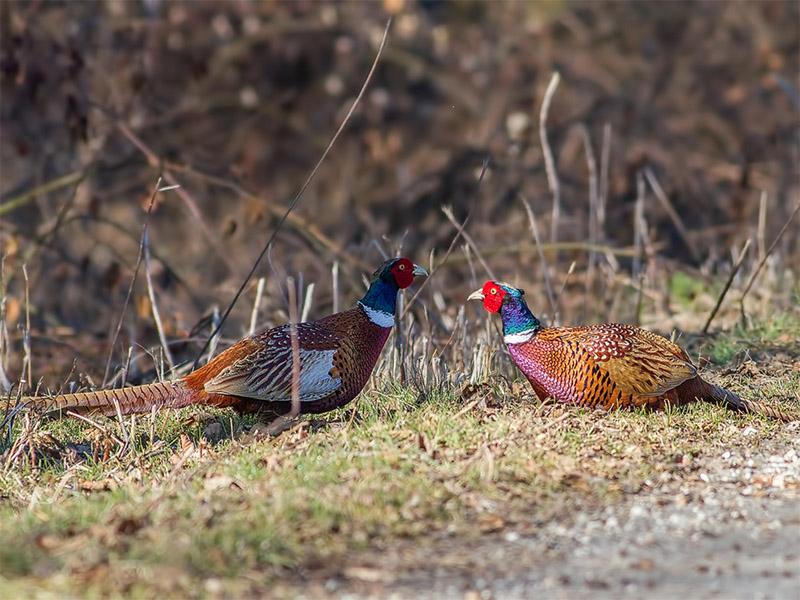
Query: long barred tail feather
[(136, 399), (719, 394)]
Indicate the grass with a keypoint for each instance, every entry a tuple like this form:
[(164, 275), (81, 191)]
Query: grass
[(174, 513), (780, 330)]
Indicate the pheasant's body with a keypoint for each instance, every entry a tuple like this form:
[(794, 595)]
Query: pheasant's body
[(336, 355), (609, 366)]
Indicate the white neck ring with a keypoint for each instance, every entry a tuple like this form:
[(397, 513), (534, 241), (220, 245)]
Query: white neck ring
[(380, 318), (519, 337)]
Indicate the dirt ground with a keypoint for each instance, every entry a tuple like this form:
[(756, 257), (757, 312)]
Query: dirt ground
[(724, 525)]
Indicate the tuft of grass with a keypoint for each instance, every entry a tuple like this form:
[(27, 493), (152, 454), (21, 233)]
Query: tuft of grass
[(685, 288), (780, 331)]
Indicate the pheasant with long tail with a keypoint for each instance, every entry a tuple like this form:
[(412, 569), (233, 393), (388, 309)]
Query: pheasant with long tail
[(336, 355), (609, 366)]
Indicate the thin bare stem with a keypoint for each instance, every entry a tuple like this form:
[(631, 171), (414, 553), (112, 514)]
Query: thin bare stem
[(638, 226), (121, 420), (126, 368), (295, 395), (561, 291), (256, 303), (133, 281), (335, 278), (766, 256), (459, 234), (11, 204), (153, 305), (602, 204), (155, 162), (591, 164), (673, 214), (639, 233), (725, 289), (545, 267), (5, 382), (762, 225), (307, 302), (549, 161), (605, 165), (448, 212), (296, 199), (27, 336)]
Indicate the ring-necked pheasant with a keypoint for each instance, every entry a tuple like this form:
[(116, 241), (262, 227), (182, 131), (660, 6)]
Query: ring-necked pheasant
[(609, 366), (337, 354)]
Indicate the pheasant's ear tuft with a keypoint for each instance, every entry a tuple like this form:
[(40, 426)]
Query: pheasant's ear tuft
[(521, 291)]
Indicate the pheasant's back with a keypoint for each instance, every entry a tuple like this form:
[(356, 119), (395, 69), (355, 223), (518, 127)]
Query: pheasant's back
[(611, 365)]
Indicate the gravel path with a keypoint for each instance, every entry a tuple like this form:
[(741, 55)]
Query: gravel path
[(722, 526)]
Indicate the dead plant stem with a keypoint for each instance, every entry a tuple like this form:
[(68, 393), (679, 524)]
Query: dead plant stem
[(549, 161)]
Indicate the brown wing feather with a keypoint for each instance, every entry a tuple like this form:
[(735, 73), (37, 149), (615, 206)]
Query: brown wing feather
[(266, 373), (639, 362)]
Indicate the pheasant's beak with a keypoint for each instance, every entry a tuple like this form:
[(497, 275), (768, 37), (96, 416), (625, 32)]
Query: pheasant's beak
[(476, 295), (419, 271)]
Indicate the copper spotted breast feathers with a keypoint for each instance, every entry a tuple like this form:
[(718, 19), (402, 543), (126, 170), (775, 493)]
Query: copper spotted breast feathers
[(609, 366), (336, 357)]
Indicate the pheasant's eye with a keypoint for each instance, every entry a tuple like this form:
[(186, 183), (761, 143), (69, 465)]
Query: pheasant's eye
[(494, 290), (401, 267)]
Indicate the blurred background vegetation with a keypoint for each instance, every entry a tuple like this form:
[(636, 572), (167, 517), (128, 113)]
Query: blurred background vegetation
[(687, 110)]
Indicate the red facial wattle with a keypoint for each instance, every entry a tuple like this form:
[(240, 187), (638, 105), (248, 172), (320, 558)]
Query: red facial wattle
[(403, 271), (492, 296)]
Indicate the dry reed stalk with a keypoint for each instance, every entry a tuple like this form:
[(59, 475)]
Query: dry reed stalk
[(764, 259), (762, 225), (290, 285), (448, 212), (591, 164), (26, 336), (307, 302), (133, 281), (5, 346), (639, 231), (725, 289), (545, 267), (126, 367), (561, 291), (153, 304), (256, 302), (549, 161), (335, 279)]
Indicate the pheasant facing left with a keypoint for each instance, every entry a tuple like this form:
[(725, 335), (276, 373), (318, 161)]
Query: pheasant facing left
[(337, 354), (609, 366)]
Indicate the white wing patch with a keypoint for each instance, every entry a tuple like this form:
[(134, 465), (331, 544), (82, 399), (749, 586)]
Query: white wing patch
[(315, 379), (275, 384)]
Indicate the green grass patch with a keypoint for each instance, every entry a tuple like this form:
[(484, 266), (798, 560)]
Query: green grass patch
[(169, 511)]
